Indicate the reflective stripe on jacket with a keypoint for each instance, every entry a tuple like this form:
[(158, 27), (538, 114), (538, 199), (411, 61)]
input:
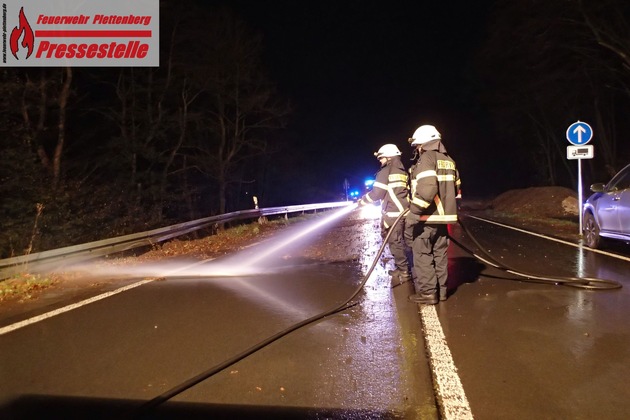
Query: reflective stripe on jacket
[(390, 186)]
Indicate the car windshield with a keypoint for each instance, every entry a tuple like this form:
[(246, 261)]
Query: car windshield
[(621, 181)]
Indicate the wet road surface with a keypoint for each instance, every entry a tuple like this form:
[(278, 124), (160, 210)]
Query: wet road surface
[(527, 350), (113, 355), (515, 349)]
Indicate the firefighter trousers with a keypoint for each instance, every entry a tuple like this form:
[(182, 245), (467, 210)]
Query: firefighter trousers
[(397, 247), (429, 244)]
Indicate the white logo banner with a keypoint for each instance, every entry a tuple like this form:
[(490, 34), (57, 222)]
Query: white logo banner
[(79, 33)]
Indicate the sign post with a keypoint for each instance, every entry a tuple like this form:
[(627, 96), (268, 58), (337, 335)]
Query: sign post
[(579, 133)]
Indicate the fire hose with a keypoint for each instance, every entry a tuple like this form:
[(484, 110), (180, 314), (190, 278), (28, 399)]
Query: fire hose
[(590, 283), (146, 409), (579, 282)]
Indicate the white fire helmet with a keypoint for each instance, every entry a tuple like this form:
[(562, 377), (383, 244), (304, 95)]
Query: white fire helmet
[(425, 134), (387, 150)]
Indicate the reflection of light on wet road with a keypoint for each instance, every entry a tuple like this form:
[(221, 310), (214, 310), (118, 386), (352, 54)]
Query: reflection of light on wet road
[(369, 333), (370, 231), (580, 314), (580, 262)]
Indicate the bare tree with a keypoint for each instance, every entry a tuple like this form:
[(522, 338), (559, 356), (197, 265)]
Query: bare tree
[(64, 94), (608, 22), (41, 99), (239, 104), (557, 61), (196, 128)]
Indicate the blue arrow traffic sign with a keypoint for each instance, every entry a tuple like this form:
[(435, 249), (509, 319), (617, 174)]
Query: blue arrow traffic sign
[(579, 133)]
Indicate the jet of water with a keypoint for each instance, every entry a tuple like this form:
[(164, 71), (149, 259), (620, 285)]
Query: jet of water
[(244, 263), (306, 230)]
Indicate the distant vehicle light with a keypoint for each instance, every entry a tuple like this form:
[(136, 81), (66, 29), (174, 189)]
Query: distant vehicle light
[(369, 182), (354, 195)]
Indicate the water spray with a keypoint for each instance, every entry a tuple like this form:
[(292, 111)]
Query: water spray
[(301, 234), (238, 265), (146, 408), (587, 283)]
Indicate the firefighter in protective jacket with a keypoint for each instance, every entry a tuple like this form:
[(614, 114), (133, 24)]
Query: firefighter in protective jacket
[(390, 187), (435, 187)]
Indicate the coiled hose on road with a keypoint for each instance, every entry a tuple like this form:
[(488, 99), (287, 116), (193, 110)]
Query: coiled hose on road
[(580, 282)]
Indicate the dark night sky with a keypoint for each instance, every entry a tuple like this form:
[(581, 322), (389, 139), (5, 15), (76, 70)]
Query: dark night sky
[(363, 73)]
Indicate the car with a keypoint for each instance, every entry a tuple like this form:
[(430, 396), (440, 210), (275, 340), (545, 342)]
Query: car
[(606, 212)]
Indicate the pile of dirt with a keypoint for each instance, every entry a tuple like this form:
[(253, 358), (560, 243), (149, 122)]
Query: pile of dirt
[(551, 202)]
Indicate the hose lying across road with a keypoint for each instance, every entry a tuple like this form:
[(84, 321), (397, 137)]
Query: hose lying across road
[(147, 408), (580, 282)]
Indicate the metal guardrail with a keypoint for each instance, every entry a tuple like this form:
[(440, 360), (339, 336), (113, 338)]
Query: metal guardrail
[(56, 259)]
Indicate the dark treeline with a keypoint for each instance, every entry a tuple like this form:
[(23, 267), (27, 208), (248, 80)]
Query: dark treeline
[(545, 65), (91, 153)]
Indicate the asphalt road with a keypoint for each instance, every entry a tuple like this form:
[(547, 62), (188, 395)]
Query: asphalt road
[(162, 341), (527, 350), (499, 347)]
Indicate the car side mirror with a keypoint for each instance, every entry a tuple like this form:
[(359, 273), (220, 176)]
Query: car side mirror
[(597, 187)]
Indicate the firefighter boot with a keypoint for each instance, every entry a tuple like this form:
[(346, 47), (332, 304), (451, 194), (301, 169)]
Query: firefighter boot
[(424, 298), (399, 276), (443, 293)]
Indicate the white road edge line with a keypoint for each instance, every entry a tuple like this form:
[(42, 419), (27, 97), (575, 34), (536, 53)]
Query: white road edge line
[(450, 392), (93, 299), (609, 254), (50, 314)]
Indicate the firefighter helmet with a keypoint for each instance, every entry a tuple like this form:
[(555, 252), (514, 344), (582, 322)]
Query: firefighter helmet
[(387, 150), (425, 134)]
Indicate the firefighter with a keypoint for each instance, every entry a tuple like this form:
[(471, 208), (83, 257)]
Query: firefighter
[(435, 187), (390, 187)]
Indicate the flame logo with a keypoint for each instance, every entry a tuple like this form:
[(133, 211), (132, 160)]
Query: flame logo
[(27, 41)]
